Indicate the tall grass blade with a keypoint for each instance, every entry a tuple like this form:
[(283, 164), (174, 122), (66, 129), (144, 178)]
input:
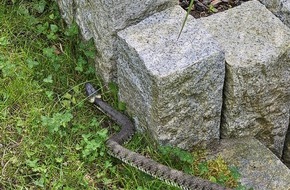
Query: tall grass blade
[(187, 13)]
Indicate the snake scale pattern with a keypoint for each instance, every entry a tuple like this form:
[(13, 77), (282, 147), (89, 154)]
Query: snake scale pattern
[(149, 166)]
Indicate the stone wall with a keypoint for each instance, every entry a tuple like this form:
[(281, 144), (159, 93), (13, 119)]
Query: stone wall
[(175, 88), (102, 19), (256, 93)]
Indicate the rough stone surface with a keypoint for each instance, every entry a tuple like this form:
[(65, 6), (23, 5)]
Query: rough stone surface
[(281, 8), (101, 19), (256, 95), (84, 17), (258, 166), (172, 86), (66, 8)]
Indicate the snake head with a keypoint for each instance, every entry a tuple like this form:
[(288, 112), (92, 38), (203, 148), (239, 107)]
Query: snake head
[(92, 93)]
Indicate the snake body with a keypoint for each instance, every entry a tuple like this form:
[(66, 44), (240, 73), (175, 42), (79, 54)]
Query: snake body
[(149, 166)]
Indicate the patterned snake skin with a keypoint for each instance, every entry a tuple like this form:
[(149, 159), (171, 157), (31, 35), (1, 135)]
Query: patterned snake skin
[(162, 172)]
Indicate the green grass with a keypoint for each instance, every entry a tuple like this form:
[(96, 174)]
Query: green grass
[(50, 137)]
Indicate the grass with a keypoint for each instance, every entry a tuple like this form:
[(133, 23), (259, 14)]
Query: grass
[(50, 137)]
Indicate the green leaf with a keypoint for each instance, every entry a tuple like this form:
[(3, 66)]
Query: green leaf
[(51, 36), (94, 123), (72, 30), (73, 100), (56, 66), (4, 41), (77, 90), (66, 103), (65, 118), (114, 90), (39, 182), (31, 63), (222, 178), (49, 52), (212, 9), (57, 121), (80, 64), (235, 172), (86, 137), (90, 70), (40, 6), (22, 10), (7, 68), (53, 28), (203, 169), (121, 106), (103, 133), (90, 54), (88, 49), (49, 94), (32, 163), (42, 28), (29, 153), (212, 179), (67, 96), (78, 147), (165, 149), (186, 157), (52, 16), (59, 159), (108, 164), (48, 79)]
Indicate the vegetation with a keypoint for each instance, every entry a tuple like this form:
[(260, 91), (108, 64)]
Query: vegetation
[(50, 137), (186, 16)]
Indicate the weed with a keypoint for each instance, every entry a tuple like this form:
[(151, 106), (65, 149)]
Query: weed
[(212, 9), (186, 16)]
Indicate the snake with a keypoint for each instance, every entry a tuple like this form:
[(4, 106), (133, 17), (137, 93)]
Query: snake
[(116, 149)]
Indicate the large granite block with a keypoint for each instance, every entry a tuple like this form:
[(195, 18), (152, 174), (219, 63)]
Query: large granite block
[(257, 86), (281, 8), (258, 166), (173, 87)]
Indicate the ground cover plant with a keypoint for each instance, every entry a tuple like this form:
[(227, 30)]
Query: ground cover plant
[(50, 137)]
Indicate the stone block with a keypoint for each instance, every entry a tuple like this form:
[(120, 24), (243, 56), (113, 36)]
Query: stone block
[(172, 87), (257, 84), (258, 166), (281, 8), (84, 17), (66, 9), (101, 19)]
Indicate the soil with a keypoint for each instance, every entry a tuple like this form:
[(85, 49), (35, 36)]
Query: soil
[(204, 8)]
